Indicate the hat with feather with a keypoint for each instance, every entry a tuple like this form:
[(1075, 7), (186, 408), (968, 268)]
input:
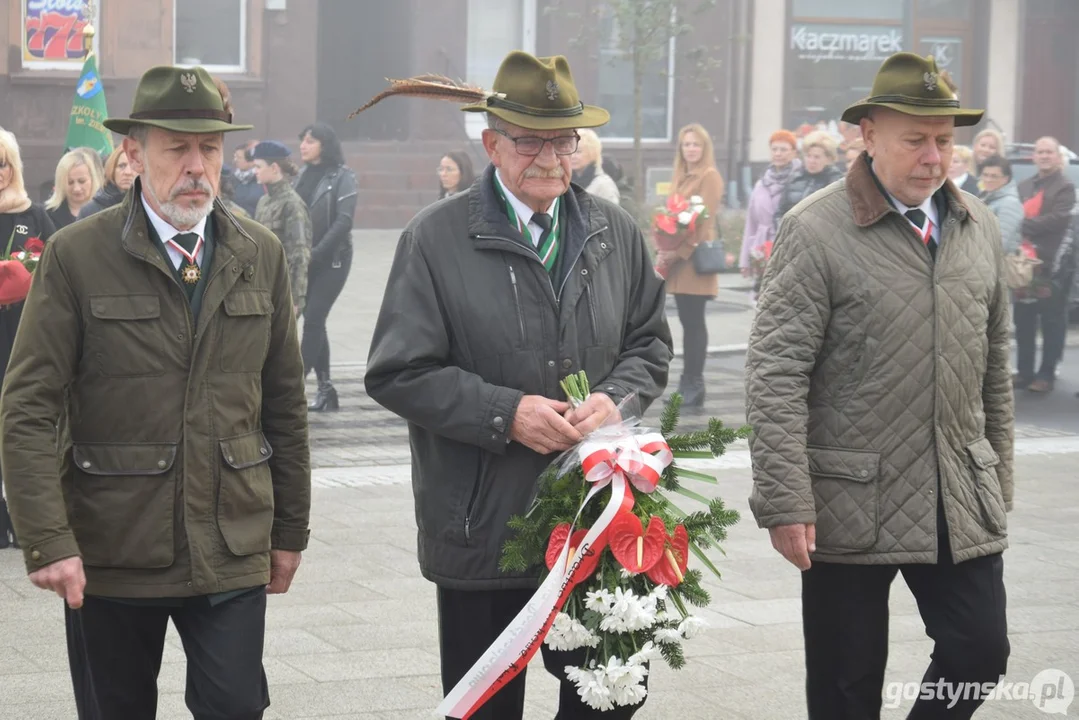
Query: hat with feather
[(537, 93), (913, 85)]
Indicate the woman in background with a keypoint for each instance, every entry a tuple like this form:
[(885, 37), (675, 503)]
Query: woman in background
[(764, 204), (24, 226), (695, 173), (962, 171), (587, 164), (986, 144), (328, 188), (454, 173), (818, 171), (119, 178), (77, 181)]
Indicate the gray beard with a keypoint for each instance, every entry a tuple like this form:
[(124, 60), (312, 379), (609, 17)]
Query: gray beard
[(177, 216)]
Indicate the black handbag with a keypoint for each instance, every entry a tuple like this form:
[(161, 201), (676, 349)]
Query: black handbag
[(709, 259)]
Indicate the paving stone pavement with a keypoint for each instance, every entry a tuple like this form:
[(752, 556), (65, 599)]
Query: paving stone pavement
[(356, 637)]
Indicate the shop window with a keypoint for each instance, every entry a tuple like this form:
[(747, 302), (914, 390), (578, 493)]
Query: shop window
[(211, 33), (495, 28), (832, 66), (848, 9), (616, 87)]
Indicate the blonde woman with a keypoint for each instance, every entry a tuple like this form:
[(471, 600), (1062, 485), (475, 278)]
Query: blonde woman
[(119, 177), (987, 143), (962, 172), (819, 155), (22, 224), (77, 181), (695, 173), (587, 164)]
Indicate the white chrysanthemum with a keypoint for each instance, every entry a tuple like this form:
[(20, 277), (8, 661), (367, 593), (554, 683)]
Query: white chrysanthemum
[(691, 627), (599, 601), (696, 200), (648, 653), (659, 592), (668, 636), (629, 613), (568, 634), (685, 217)]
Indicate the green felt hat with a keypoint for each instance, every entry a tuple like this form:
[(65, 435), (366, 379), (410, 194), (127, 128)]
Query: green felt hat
[(538, 93), (183, 100), (913, 85)]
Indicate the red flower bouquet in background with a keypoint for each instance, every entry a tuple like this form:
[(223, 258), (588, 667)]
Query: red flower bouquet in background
[(672, 223), (16, 271)]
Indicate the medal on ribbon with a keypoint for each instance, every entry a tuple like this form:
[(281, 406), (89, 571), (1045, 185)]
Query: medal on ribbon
[(190, 272)]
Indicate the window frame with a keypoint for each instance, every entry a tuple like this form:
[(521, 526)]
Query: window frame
[(671, 85), (476, 123), (244, 66)]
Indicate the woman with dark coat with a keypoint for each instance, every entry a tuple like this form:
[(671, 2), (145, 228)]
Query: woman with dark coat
[(119, 176), (21, 224), (820, 153), (328, 188), (455, 173)]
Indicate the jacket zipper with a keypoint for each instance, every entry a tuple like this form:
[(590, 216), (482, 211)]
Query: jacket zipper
[(557, 295), (517, 302), (592, 311), (472, 502)]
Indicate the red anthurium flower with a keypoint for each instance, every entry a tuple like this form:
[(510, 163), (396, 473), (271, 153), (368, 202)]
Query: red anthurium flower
[(637, 550), (767, 247), (667, 224), (34, 246), (588, 564), (671, 568), (677, 204)]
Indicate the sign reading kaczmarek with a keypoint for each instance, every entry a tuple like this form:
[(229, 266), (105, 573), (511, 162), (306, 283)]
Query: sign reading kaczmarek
[(858, 43)]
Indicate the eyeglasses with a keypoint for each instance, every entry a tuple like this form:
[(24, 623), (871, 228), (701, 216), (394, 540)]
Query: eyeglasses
[(530, 145)]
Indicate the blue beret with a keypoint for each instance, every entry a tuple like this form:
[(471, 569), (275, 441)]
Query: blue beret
[(269, 150)]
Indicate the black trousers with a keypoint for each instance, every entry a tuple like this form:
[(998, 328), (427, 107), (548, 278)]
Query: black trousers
[(114, 650), (845, 621), (469, 621), (694, 333), (324, 285), (1051, 316)]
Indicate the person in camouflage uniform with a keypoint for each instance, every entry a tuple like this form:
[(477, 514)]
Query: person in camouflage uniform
[(284, 212)]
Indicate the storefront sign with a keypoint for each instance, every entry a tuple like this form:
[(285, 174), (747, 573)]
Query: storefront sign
[(52, 33), (816, 43)]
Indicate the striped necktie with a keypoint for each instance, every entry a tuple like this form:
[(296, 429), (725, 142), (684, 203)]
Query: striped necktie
[(548, 242), (924, 229)]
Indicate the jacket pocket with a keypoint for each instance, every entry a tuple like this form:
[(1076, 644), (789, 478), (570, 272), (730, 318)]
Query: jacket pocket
[(245, 331), (846, 490), (987, 485), (125, 336), (245, 502), (475, 499), (123, 501)]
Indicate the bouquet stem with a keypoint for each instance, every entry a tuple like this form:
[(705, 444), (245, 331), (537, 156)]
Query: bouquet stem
[(576, 388)]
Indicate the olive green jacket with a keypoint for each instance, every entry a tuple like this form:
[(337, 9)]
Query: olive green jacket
[(283, 212), (188, 455)]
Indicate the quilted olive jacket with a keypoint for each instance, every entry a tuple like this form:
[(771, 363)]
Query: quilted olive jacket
[(877, 379)]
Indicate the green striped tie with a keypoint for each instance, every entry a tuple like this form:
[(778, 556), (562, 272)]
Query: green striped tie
[(548, 242)]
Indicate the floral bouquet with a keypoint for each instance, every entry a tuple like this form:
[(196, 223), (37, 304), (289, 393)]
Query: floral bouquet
[(672, 223), (758, 261), (616, 586), (30, 255), (16, 270)]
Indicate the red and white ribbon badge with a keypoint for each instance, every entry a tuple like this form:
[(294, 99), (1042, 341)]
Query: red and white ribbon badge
[(640, 460)]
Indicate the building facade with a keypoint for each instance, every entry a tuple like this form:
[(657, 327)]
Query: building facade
[(746, 68)]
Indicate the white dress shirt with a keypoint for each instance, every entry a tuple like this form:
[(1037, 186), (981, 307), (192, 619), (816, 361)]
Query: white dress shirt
[(930, 210), (524, 212), (167, 232)]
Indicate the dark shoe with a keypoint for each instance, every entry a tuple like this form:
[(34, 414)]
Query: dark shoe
[(1021, 382), (7, 535), (1041, 386), (694, 393), (326, 398)]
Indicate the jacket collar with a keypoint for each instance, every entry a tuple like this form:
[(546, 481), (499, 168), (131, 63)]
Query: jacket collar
[(486, 217), (229, 235), (870, 204)]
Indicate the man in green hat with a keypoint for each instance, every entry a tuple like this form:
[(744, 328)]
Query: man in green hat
[(879, 392), (495, 296), (161, 335)]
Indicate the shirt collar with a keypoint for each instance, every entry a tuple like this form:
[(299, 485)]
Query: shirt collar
[(164, 230), (520, 208), (928, 207)]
